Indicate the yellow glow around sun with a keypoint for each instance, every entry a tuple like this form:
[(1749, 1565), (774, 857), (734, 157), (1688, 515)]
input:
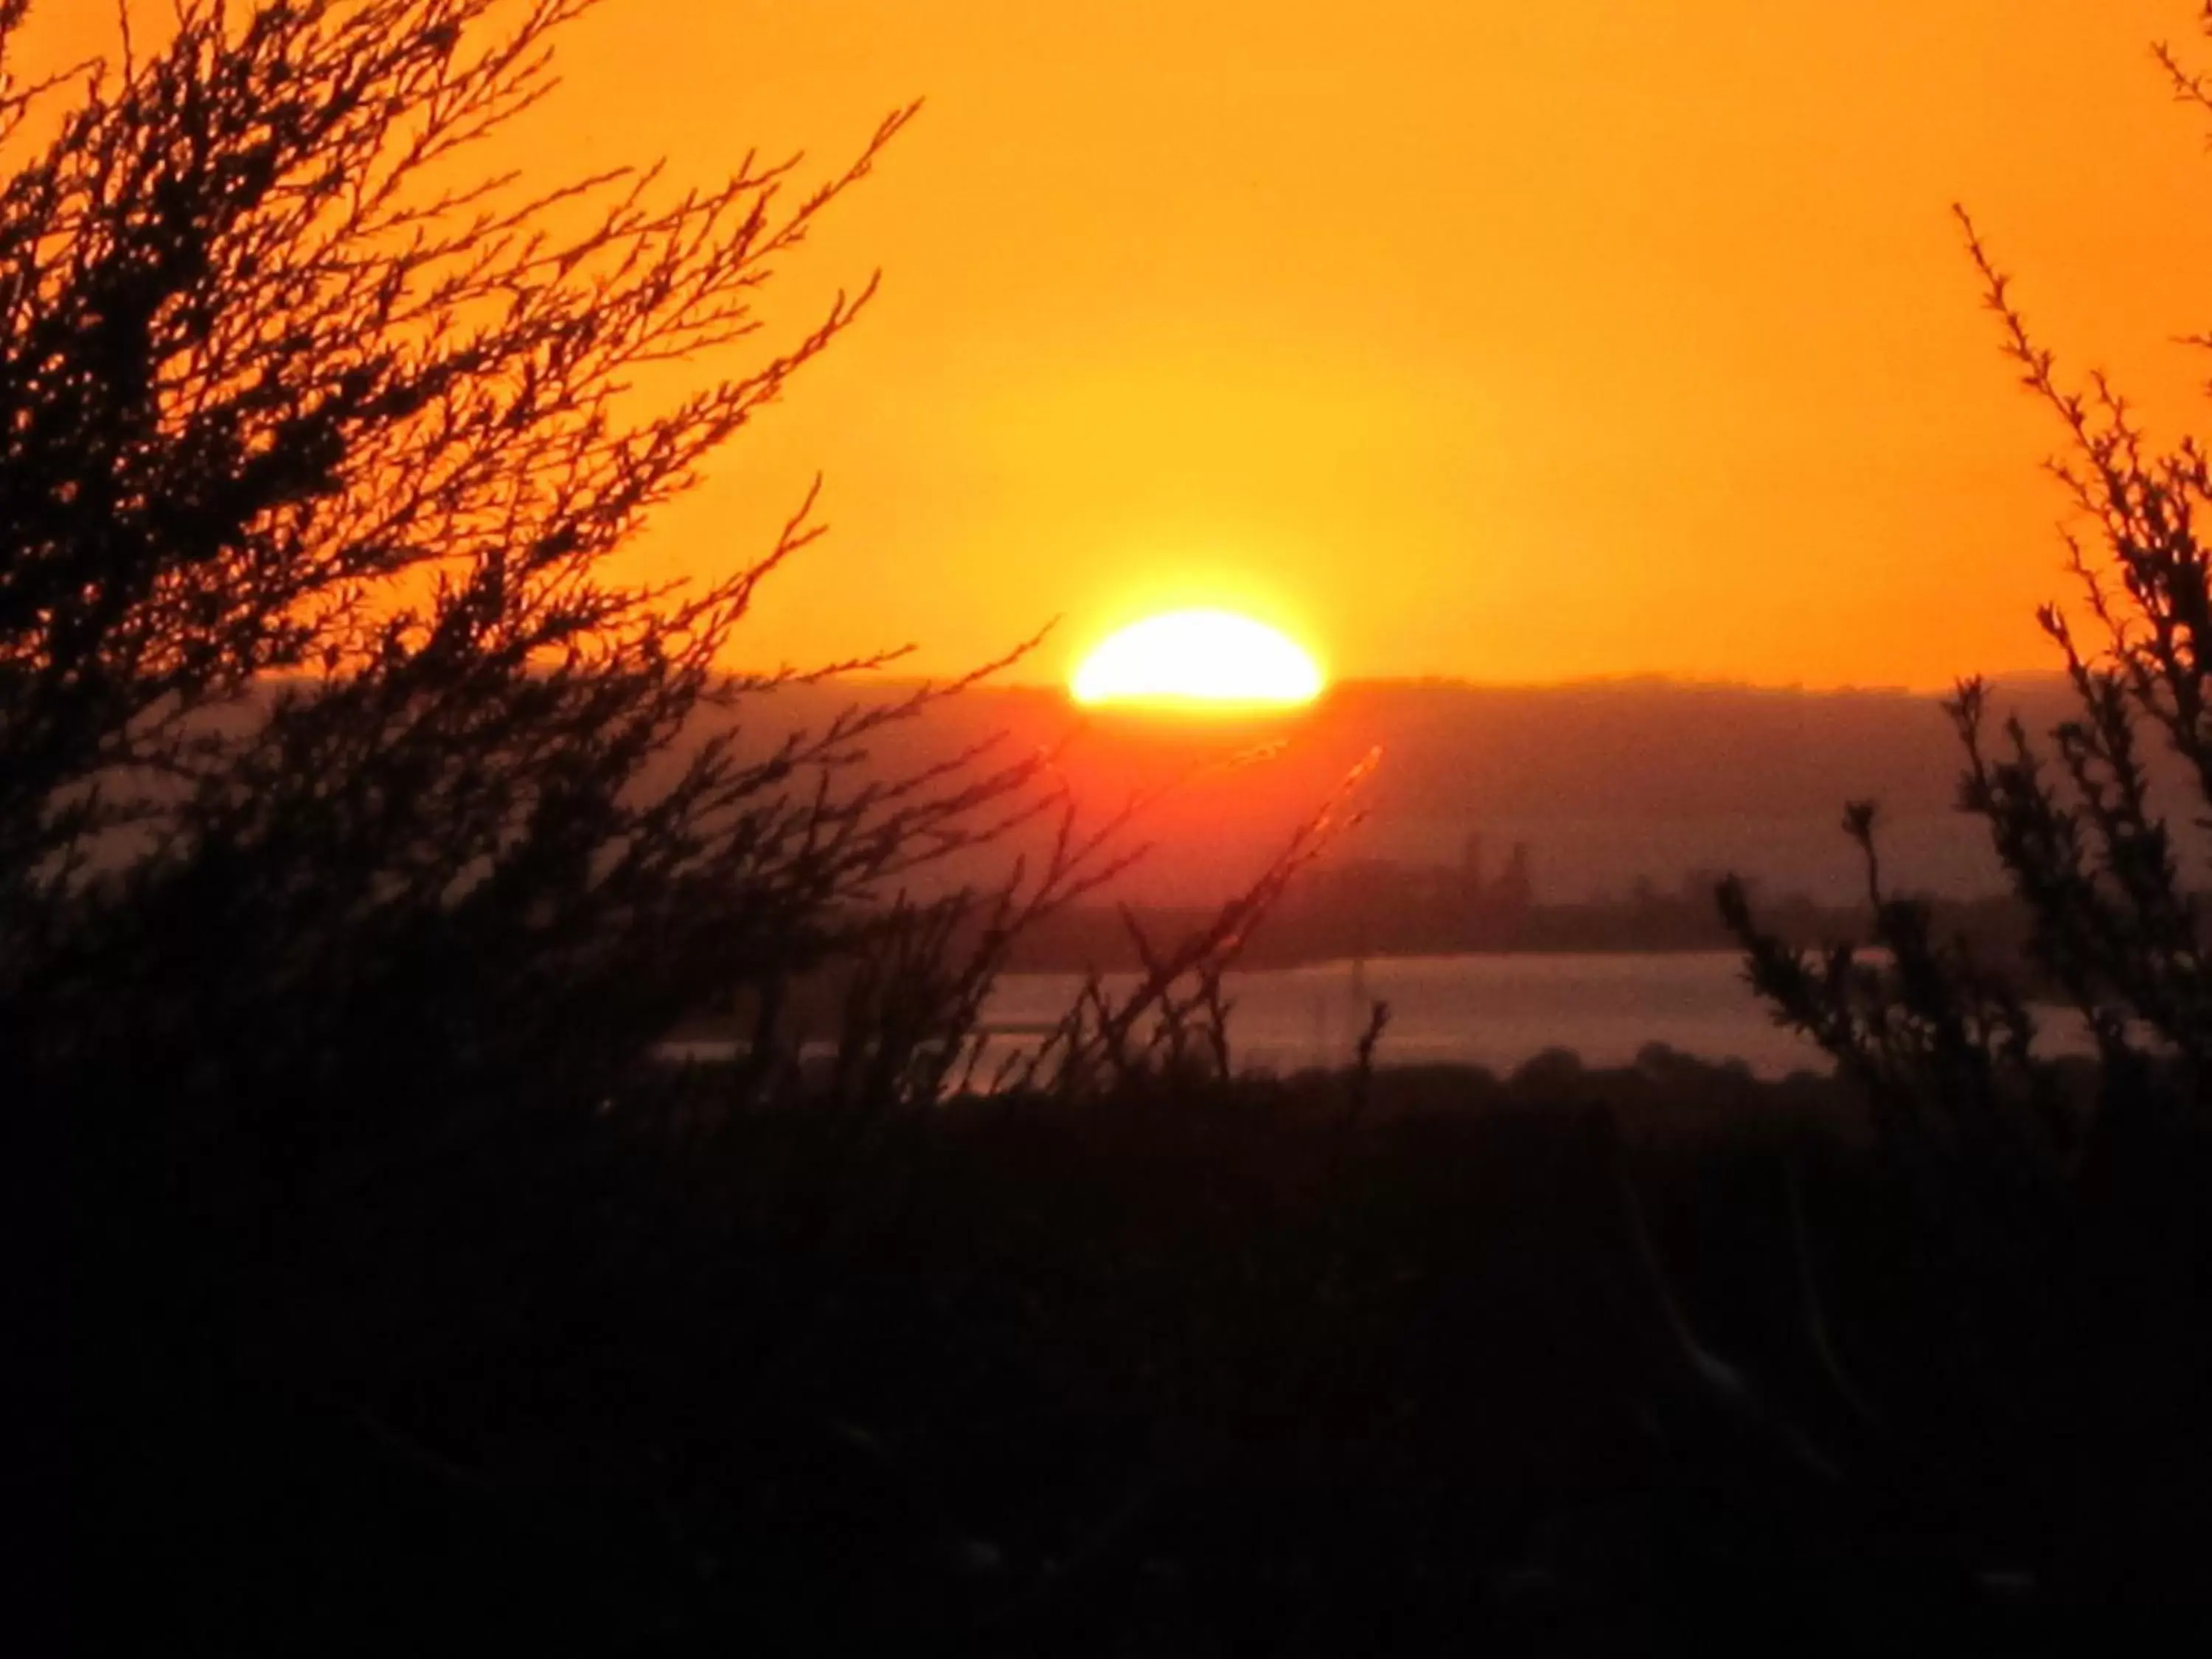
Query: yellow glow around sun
[(1198, 659)]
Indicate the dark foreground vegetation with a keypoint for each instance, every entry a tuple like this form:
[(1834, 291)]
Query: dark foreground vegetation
[(359, 845), (1574, 1362)]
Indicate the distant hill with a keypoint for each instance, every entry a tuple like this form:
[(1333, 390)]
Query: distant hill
[(1606, 782)]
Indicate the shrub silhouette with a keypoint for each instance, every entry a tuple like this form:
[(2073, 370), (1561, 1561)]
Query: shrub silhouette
[(2052, 1384), (335, 759), (362, 829)]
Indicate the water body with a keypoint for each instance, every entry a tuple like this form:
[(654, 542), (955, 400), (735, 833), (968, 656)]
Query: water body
[(1496, 1010)]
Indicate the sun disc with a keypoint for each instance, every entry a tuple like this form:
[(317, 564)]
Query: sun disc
[(1202, 659)]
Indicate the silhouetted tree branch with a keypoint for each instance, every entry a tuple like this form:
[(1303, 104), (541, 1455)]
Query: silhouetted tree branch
[(336, 756), (2059, 1215)]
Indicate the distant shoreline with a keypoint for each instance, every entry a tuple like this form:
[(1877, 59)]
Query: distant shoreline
[(1312, 928), (1261, 961)]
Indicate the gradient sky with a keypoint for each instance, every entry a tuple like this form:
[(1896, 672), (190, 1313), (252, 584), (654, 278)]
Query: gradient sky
[(1498, 341)]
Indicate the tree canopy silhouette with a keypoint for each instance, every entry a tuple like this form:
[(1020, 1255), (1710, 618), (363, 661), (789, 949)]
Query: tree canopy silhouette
[(334, 753)]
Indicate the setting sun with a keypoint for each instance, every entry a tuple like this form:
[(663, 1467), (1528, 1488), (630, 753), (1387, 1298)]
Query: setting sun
[(1205, 658)]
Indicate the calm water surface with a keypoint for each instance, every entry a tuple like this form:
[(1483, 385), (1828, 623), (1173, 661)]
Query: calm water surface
[(1497, 1011), (1493, 1011)]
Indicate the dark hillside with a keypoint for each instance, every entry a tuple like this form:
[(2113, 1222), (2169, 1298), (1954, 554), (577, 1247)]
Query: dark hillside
[(1607, 781)]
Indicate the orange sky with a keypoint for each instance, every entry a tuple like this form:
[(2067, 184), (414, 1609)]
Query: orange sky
[(1509, 342)]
